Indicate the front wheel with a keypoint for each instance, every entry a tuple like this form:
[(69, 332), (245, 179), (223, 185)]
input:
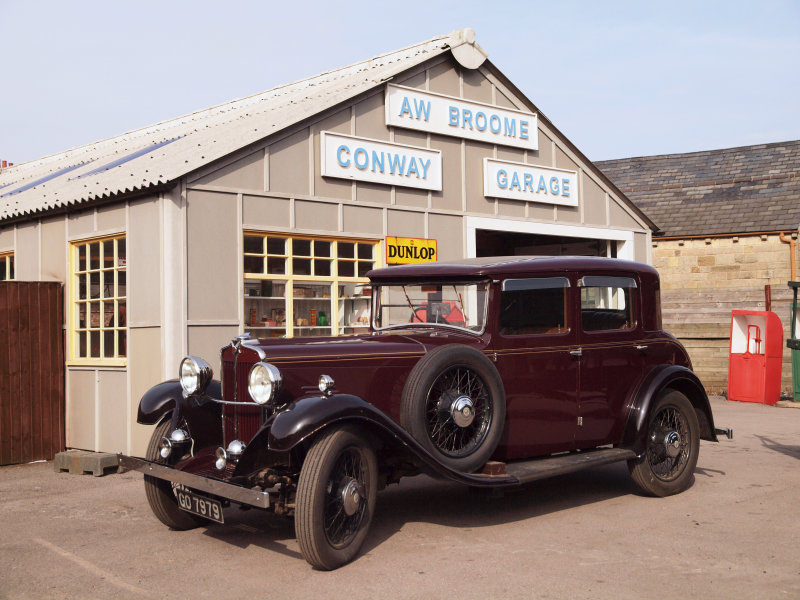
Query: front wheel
[(161, 493), (667, 465), (335, 498)]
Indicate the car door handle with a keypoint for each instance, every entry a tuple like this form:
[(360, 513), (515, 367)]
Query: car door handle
[(578, 352), (641, 348)]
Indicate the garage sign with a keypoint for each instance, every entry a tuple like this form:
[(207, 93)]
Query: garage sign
[(362, 159), (408, 251), (518, 181), (447, 115)]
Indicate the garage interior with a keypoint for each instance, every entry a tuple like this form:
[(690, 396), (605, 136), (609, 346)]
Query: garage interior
[(507, 243)]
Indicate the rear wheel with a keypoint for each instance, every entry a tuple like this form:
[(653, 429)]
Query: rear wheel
[(667, 465), (335, 498), (160, 492)]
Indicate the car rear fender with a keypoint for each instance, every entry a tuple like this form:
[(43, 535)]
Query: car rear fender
[(661, 378), (309, 416)]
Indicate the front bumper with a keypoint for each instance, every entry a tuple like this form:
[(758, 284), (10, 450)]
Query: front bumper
[(229, 491)]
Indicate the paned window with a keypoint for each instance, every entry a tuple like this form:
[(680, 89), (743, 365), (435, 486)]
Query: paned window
[(306, 286), (6, 266), (99, 300)]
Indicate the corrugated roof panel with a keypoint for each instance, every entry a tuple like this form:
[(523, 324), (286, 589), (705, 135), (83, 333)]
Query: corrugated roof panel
[(42, 180)]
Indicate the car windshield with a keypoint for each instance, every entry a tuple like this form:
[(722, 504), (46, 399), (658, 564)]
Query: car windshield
[(461, 305)]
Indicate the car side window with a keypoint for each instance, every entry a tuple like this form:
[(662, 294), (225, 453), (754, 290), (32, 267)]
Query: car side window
[(534, 306), (607, 303)]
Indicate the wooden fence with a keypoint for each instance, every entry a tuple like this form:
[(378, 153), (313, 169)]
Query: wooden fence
[(701, 320), (31, 371)]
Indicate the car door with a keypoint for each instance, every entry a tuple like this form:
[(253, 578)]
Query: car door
[(609, 337), (532, 348)]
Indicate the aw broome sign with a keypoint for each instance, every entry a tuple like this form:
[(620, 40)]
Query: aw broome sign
[(406, 251), (362, 159), (518, 181), (446, 115)]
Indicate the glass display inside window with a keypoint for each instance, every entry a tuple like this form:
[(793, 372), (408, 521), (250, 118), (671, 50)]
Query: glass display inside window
[(306, 286), (99, 322), (6, 266), (312, 309)]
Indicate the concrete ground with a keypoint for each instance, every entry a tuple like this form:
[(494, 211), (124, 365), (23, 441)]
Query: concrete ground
[(733, 534)]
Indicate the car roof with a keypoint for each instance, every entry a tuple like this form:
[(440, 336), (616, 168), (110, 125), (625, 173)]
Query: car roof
[(505, 266)]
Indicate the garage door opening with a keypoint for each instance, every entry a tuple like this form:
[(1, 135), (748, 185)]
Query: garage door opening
[(509, 243)]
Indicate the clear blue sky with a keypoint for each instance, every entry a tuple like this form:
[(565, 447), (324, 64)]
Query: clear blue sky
[(619, 79)]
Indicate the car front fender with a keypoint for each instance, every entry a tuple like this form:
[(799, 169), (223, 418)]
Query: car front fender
[(166, 397), (663, 377)]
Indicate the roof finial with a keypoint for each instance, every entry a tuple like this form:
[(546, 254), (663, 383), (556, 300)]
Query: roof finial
[(468, 54)]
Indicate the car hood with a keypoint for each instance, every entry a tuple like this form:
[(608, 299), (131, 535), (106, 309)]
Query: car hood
[(398, 342)]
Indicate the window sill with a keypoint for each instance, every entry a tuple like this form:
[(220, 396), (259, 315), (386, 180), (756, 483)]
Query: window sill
[(95, 363)]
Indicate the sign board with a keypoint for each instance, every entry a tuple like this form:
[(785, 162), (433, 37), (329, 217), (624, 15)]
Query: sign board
[(447, 115), (406, 251), (362, 159), (518, 181)]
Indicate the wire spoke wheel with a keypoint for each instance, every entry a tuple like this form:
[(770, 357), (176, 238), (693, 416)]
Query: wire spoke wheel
[(668, 452), (345, 505), (335, 497), (458, 412), (454, 405), (673, 441)]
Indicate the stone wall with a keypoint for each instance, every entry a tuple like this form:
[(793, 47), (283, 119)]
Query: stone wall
[(704, 279)]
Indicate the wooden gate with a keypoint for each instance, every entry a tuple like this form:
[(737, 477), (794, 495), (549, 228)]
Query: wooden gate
[(31, 371)]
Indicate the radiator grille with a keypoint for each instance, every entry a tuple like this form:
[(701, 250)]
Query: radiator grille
[(246, 414)]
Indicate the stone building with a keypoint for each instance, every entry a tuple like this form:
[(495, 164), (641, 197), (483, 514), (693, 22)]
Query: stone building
[(729, 224)]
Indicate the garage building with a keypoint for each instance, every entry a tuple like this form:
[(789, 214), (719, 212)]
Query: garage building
[(264, 215)]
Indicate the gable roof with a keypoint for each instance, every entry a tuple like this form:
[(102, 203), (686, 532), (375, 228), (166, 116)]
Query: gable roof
[(151, 158), (162, 153), (747, 189)]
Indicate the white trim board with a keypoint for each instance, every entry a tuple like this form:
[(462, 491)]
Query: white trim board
[(624, 248)]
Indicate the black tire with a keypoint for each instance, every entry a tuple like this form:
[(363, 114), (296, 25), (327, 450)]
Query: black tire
[(673, 442), (335, 498), (454, 405), (160, 494)]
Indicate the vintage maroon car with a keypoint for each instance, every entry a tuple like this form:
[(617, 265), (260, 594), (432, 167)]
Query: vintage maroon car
[(491, 372)]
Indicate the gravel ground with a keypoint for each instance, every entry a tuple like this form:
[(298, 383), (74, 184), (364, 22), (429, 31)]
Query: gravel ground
[(586, 535)]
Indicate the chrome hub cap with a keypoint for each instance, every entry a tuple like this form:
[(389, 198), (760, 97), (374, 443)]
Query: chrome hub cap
[(672, 443), (463, 411), (352, 496)]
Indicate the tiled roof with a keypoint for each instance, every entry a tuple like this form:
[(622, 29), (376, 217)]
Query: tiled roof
[(163, 153), (735, 190)]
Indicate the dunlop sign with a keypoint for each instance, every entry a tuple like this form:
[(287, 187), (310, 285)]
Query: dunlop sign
[(350, 157), (407, 251), (447, 115)]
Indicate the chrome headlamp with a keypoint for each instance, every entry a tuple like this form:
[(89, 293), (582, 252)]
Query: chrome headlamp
[(326, 384), (177, 438), (264, 382), (194, 374)]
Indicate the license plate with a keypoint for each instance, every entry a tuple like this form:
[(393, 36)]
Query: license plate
[(200, 505)]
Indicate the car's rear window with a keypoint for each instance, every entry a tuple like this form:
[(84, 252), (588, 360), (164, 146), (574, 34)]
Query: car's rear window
[(607, 303)]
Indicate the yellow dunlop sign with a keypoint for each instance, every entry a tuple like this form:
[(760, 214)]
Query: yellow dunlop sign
[(407, 251)]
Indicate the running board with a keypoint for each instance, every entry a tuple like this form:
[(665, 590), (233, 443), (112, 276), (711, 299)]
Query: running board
[(561, 464)]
